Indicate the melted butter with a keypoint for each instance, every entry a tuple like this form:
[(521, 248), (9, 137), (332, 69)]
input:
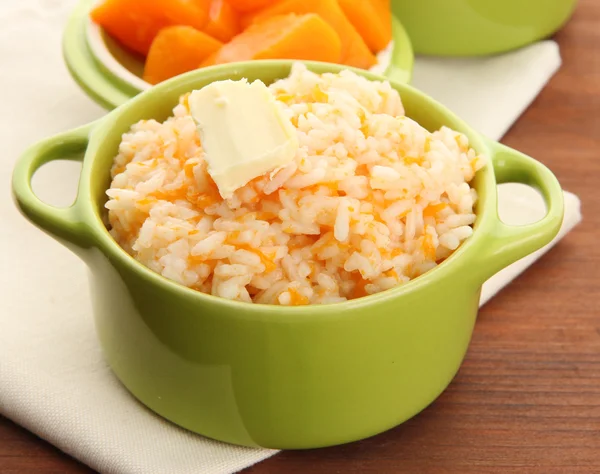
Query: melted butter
[(243, 131)]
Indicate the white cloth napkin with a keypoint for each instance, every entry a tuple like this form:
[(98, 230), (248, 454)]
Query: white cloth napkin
[(53, 380)]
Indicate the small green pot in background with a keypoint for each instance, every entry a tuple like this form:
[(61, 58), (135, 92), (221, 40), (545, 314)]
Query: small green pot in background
[(479, 27)]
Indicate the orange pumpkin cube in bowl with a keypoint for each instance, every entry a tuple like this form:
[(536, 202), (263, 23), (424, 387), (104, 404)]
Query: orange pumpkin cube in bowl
[(372, 20), (223, 21), (245, 6), (291, 36), (135, 23), (176, 50), (355, 52)]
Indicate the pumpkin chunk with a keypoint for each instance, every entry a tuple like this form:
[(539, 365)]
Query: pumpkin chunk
[(372, 19), (354, 50), (290, 36), (135, 23), (245, 6), (223, 21), (175, 50)]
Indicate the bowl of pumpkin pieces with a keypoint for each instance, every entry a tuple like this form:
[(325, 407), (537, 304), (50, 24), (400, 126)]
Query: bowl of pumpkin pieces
[(115, 49)]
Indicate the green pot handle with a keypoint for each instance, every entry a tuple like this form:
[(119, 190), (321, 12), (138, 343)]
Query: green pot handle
[(511, 243), (62, 223)]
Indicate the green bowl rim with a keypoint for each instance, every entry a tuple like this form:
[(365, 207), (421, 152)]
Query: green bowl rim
[(106, 243)]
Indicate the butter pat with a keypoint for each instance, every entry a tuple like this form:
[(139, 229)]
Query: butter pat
[(243, 132)]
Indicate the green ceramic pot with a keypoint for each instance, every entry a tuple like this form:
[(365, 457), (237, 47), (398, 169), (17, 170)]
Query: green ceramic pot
[(273, 376), (479, 27), (111, 75)]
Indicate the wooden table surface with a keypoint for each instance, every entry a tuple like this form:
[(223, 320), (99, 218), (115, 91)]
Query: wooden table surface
[(527, 398)]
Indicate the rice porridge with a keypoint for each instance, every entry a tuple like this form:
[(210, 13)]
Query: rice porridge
[(370, 200)]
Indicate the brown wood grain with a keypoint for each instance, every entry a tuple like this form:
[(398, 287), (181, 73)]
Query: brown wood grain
[(527, 398)]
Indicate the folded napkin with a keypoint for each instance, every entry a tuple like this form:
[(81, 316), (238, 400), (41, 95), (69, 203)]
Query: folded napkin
[(53, 379)]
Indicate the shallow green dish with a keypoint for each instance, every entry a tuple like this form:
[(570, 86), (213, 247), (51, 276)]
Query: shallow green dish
[(274, 376), (479, 27), (111, 75)]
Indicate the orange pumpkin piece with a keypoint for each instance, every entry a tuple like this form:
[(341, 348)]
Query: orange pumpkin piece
[(223, 21), (209, 61), (247, 19), (175, 50), (372, 19), (354, 50), (384, 9), (245, 6), (290, 36), (135, 23)]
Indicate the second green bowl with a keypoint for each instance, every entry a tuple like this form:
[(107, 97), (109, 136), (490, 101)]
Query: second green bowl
[(479, 27)]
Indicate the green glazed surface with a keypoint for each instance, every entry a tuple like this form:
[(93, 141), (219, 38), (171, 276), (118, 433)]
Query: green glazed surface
[(273, 376), (479, 27), (110, 91)]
